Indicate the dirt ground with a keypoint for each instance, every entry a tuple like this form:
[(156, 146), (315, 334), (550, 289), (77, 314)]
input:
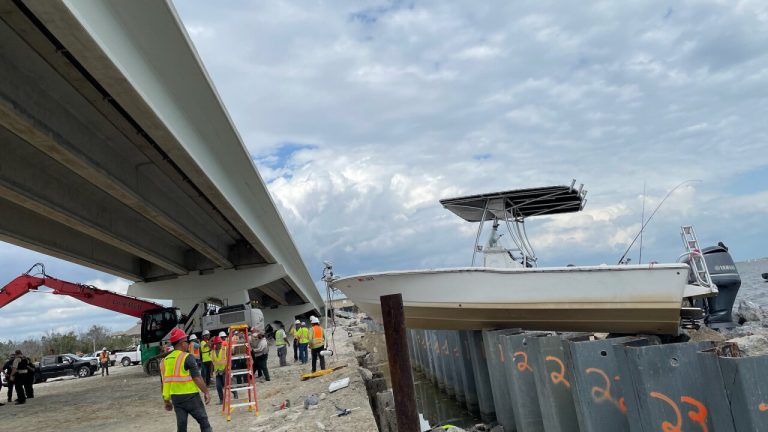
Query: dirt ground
[(128, 400)]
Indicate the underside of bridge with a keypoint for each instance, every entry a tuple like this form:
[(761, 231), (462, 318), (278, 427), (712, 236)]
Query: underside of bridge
[(117, 154)]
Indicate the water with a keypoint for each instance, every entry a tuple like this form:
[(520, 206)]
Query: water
[(753, 287), (436, 408)]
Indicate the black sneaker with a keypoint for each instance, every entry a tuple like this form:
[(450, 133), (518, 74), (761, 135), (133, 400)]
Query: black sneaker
[(20, 403)]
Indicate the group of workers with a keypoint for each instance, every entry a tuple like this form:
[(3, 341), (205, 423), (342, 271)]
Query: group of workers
[(305, 338), (20, 375), (186, 370)]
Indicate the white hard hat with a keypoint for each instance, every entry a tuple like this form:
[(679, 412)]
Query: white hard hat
[(192, 337), (222, 334), (314, 320), (298, 322), (206, 332), (104, 349), (303, 323)]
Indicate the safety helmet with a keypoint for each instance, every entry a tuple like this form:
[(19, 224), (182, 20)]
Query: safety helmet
[(314, 320), (104, 349), (216, 340), (222, 334), (303, 323), (206, 332), (298, 322), (192, 337), (177, 334)]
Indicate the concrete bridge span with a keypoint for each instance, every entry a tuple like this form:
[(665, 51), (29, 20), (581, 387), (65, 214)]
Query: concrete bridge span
[(118, 154)]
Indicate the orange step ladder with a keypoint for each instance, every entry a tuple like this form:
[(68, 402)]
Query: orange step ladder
[(239, 347)]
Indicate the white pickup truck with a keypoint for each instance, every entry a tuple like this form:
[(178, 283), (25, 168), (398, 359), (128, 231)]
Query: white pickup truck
[(127, 357)]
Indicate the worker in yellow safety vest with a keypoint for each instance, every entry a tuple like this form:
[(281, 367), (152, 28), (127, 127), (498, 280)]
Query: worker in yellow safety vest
[(219, 356), (317, 343), (281, 343), (294, 334), (303, 334), (182, 383), (205, 356)]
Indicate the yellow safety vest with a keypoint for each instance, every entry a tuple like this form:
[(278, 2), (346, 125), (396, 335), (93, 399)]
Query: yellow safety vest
[(292, 332), (318, 338), (219, 359), (280, 337), (303, 335), (176, 378), (206, 350)]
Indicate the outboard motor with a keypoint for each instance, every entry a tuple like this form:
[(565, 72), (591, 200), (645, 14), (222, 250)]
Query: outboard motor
[(724, 275)]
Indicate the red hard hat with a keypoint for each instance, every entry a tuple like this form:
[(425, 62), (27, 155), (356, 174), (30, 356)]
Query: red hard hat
[(177, 334), (216, 340)]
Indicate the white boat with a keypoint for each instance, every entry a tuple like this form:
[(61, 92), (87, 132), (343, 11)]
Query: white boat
[(510, 291)]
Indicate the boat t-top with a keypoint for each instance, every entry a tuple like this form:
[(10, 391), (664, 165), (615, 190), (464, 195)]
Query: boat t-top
[(509, 289)]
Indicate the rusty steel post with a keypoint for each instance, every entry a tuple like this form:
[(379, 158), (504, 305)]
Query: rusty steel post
[(399, 363)]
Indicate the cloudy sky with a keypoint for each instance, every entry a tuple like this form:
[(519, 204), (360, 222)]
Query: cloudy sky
[(360, 115)]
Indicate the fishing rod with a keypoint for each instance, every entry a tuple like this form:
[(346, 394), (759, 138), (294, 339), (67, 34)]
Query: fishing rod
[(651, 217)]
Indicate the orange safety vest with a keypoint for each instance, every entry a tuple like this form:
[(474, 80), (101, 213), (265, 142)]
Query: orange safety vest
[(318, 339), (103, 357)]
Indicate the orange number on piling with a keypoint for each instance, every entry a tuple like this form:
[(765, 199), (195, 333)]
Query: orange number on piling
[(601, 394), (667, 426), (763, 407), (523, 365), (445, 347), (558, 377), (700, 415)]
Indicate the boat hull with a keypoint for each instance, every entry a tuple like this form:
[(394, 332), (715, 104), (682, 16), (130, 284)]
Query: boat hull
[(615, 299)]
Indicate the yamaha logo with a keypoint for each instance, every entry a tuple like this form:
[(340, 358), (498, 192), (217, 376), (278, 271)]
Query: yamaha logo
[(725, 267)]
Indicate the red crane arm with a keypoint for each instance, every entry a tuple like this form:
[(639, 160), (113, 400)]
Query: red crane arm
[(125, 304)]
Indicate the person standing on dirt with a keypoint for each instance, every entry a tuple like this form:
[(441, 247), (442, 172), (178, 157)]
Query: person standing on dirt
[(294, 333), (260, 353), (303, 334), (317, 343), (194, 350), (7, 373), (28, 390), (182, 384), (281, 343), (104, 361), (219, 359), (7, 367), (19, 373), (205, 355)]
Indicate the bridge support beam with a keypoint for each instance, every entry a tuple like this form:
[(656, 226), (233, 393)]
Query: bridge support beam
[(230, 285)]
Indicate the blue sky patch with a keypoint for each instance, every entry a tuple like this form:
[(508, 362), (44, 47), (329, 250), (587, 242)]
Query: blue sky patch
[(283, 154)]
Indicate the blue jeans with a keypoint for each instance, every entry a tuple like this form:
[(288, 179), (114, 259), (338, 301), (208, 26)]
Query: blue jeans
[(303, 353)]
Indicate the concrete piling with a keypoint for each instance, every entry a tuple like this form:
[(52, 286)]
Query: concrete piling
[(544, 382)]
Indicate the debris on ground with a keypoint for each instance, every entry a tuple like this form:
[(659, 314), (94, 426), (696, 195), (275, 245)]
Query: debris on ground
[(338, 385)]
